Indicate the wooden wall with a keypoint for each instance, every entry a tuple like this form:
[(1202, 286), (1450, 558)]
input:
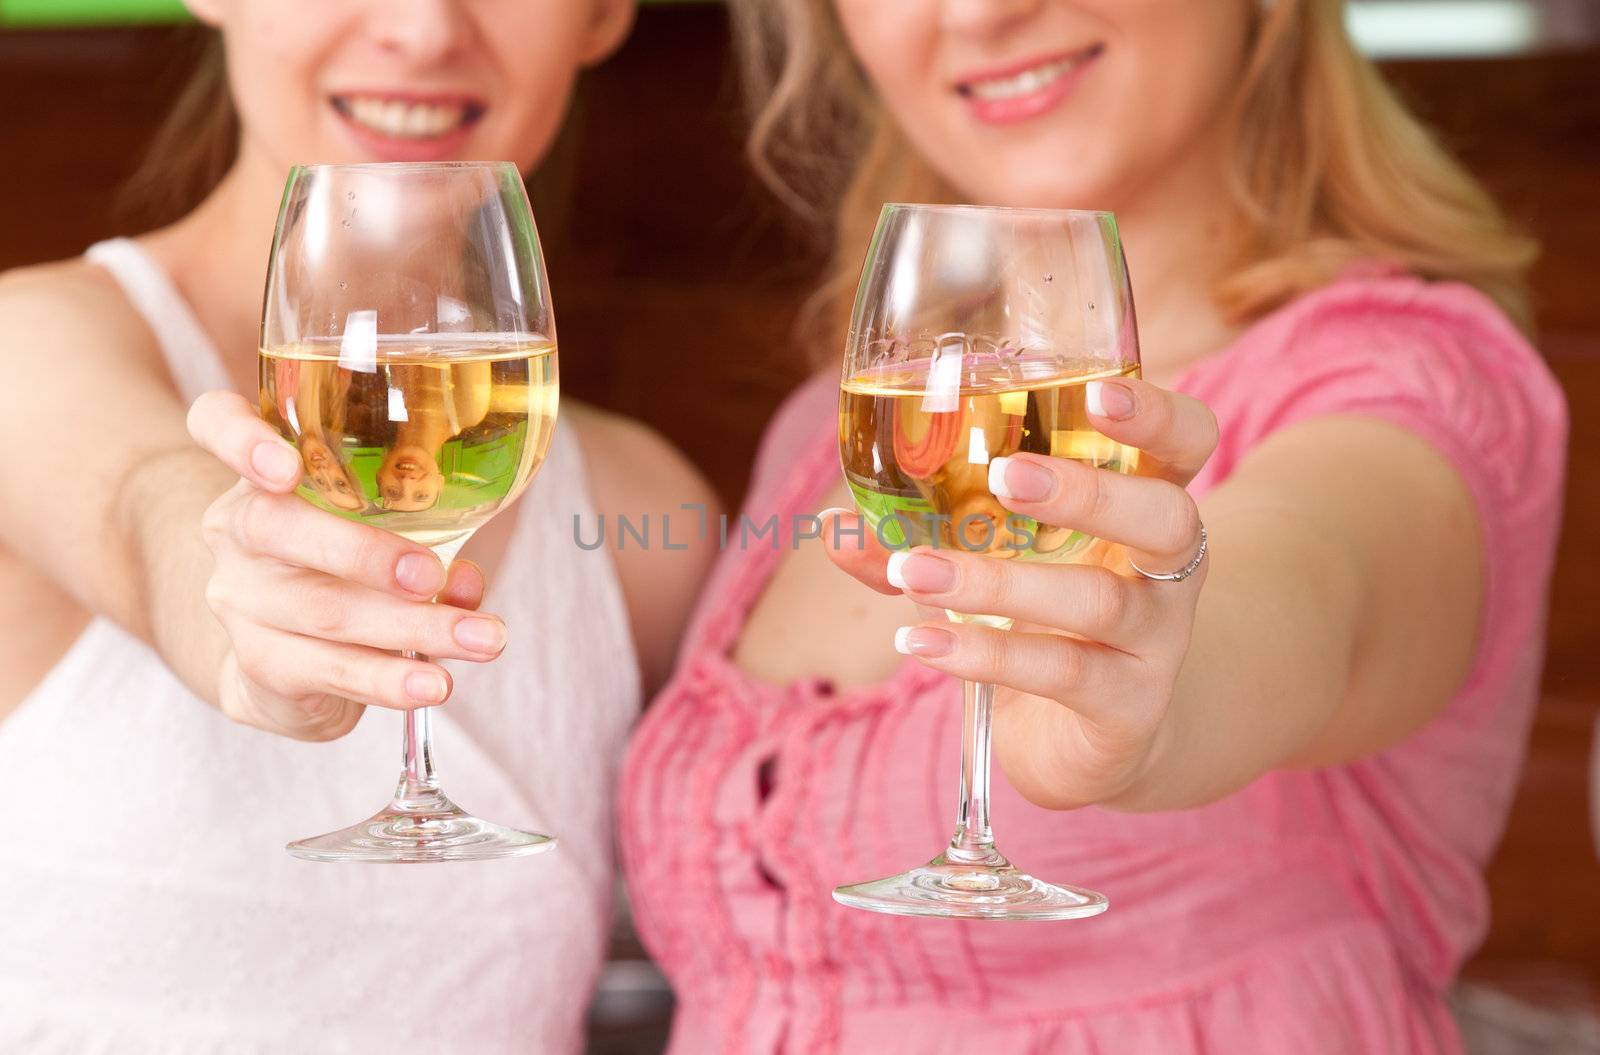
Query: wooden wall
[(676, 281), (1531, 128)]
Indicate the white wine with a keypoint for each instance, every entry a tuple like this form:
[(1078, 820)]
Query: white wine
[(916, 439), (426, 436)]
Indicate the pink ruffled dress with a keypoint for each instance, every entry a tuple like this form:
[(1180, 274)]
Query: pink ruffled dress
[(1313, 911)]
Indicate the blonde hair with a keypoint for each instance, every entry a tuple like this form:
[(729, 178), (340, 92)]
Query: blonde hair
[(1328, 165)]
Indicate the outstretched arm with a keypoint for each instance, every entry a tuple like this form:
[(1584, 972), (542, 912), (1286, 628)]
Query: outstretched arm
[(102, 487), (107, 494), (1316, 630)]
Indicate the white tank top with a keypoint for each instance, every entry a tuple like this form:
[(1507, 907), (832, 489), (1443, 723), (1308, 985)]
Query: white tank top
[(147, 903)]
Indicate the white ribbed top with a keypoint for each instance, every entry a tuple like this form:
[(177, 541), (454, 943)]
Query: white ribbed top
[(148, 904)]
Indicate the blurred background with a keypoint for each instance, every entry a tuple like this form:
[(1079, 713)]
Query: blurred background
[(661, 246)]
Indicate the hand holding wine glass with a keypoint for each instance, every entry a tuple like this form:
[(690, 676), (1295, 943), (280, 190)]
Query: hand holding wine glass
[(981, 424), (1087, 671), (309, 600), (408, 353)]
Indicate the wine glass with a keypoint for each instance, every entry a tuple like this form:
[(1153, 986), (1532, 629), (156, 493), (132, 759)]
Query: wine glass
[(408, 351), (974, 333)]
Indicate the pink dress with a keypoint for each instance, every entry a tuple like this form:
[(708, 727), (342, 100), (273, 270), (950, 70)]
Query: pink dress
[(1313, 911)]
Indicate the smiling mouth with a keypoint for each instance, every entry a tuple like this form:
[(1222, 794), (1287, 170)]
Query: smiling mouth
[(407, 118), (1028, 81)]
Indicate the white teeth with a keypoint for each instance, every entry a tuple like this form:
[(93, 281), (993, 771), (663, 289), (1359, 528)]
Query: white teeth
[(405, 120), (417, 120), (1025, 83)]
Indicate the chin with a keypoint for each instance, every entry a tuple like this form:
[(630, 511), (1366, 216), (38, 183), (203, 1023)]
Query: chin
[(1046, 180)]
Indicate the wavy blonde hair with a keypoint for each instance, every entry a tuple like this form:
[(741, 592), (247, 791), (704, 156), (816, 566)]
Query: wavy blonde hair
[(1328, 165)]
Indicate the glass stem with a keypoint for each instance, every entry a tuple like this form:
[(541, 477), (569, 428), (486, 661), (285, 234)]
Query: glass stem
[(973, 842), (418, 785)]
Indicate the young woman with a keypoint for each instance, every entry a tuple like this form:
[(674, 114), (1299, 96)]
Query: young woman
[(150, 904), (1288, 770)]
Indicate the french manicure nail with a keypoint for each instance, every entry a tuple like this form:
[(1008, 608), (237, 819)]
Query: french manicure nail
[(426, 686), (997, 477), (897, 561), (926, 641), (275, 462), (481, 635), (1107, 399), (1020, 481), (921, 572), (421, 575)]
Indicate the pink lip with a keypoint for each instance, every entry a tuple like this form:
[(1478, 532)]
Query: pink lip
[(1023, 107), (407, 148)]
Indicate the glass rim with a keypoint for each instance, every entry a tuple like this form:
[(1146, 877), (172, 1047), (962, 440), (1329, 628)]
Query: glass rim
[(391, 166), (905, 206)]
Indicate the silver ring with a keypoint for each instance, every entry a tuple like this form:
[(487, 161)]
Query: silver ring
[(1183, 572)]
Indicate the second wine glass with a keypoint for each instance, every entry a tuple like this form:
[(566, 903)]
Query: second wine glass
[(408, 351), (974, 335)]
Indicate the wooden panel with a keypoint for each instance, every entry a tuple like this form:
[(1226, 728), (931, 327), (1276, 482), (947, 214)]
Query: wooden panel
[(1531, 128)]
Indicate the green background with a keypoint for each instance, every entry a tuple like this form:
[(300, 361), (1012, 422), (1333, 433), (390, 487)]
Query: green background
[(107, 12)]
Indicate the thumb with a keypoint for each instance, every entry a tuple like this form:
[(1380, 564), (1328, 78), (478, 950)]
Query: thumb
[(463, 586), (855, 548)]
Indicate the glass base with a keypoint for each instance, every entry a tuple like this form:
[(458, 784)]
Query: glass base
[(418, 830), (977, 890)]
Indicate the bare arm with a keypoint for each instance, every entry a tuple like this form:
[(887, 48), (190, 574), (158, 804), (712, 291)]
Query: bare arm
[(1339, 617), (108, 496), (633, 472), (103, 488), (1335, 614)]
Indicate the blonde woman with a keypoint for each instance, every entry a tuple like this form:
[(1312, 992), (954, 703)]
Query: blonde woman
[(1288, 769)]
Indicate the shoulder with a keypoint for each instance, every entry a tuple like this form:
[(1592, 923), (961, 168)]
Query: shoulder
[(630, 462), (71, 284), (1437, 357), (1394, 323), (634, 472), (71, 307), (1437, 360)]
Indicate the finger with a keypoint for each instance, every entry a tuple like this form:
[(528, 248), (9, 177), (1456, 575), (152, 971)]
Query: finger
[(295, 532), (1078, 674), (318, 719), (1155, 519), (317, 606), (225, 424), (856, 548), (1175, 433), (1082, 599), (297, 669), (464, 586)]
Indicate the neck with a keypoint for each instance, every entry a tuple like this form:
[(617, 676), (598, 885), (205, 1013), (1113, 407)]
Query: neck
[(1177, 234), (217, 256)]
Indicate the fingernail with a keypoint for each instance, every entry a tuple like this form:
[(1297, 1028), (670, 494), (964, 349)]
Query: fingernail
[(421, 575), (836, 517), (1108, 399), (921, 572), (275, 462), (481, 635), (426, 686), (1021, 481), (926, 641)]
